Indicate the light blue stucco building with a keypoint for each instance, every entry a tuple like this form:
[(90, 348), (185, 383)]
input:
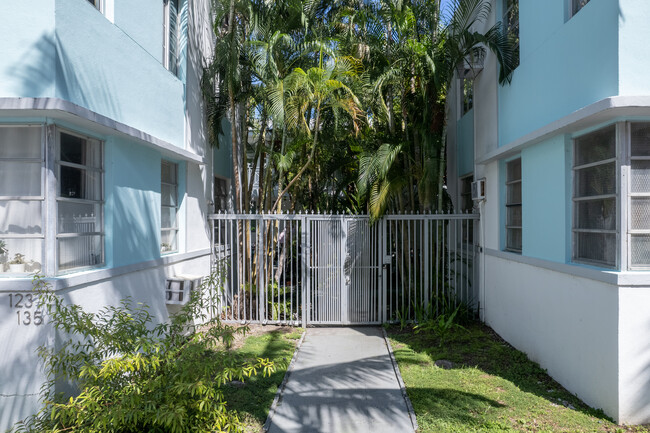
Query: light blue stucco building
[(564, 152), (106, 173)]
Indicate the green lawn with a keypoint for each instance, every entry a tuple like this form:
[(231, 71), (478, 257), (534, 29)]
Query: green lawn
[(253, 399), (491, 387)]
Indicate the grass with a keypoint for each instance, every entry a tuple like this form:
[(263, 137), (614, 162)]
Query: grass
[(491, 387), (253, 399)]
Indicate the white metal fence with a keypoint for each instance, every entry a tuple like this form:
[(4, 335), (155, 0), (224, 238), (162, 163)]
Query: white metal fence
[(303, 269)]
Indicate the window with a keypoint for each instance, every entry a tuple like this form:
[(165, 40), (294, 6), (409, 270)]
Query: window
[(467, 205), (96, 3), (169, 210), (511, 23), (468, 95), (639, 196), (576, 5), (513, 206), (170, 35), (21, 198), (220, 194), (594, 198), (79, 234)]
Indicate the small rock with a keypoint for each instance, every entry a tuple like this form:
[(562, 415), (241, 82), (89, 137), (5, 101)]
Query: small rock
[(444, 364), (572, 407), (550, 390), (236, 383)]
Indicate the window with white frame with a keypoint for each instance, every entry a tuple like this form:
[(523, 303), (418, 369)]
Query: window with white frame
[(576, 5), (170, 35), (513, 206), (595, 186), (22, 235), (511, 24), (169, 207), (639, 196), (79, 202)]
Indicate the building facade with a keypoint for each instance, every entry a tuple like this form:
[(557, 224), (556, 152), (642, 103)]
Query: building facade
[(564, 150), (106, 173)]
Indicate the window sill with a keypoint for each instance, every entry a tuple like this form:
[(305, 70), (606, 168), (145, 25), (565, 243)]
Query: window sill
[(97, 275), (609, 276)]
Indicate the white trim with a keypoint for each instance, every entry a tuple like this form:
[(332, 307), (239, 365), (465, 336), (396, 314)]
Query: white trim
[(60, 109), (607, 109), (98, 275), (621, 279)]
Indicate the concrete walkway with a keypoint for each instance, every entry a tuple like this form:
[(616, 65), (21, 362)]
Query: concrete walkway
[(342, 381)]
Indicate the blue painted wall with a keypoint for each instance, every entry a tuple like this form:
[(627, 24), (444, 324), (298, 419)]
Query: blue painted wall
[(465, 144), (544, 199), (132, 203), (565, 64), (28, 51), (142, 20), (71, 51)]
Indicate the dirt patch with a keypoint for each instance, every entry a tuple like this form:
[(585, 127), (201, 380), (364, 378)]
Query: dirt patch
[(255, 330)]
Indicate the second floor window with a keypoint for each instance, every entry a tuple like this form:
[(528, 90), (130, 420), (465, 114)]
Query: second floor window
[(96, 3), (170, 36), (511, 23), (576, 5)]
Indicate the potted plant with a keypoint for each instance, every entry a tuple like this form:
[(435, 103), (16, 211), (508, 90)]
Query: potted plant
[(17, 264)]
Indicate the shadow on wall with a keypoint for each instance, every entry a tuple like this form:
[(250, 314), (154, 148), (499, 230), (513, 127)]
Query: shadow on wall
[(47, 71), (22, 376), (198, 44)]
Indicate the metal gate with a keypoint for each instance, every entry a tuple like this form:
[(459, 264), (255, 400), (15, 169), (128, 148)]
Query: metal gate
[(343, 271), (303, 269)]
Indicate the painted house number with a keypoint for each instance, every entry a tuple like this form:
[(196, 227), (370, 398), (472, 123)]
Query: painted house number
[(23, 304)]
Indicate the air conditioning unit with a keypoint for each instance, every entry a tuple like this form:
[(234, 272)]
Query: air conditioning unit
[(478, 190), (179, 288)]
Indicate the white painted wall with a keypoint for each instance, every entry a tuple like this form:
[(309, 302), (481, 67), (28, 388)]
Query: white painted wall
[(634, 354), (568, 324)]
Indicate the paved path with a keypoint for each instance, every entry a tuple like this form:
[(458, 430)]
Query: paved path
[(342, 382)]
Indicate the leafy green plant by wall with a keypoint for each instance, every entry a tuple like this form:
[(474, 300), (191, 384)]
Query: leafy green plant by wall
[(133, 375)]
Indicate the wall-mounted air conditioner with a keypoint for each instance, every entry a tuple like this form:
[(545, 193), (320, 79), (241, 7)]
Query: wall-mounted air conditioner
[(478, 190)]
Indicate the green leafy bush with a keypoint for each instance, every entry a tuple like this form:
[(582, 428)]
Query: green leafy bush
[(135, 376)]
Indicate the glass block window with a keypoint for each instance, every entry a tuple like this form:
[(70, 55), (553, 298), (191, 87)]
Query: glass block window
[(594, 198), (511, 23), (513, 206), (169, 207), (21, 199), (79, 202), (639, 195)]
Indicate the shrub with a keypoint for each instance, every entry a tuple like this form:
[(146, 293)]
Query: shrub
[(133, 375)]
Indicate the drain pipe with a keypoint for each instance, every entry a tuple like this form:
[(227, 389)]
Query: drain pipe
[(481, 213)]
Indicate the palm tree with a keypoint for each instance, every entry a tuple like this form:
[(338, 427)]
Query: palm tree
[(413, 83), (311, 92)]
